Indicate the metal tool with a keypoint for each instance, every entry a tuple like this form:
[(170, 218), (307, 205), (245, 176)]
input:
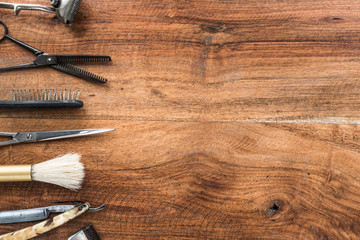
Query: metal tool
[(35, 214), (49, 224), (86, 233), (65, 9), (59, 62), (24, 137), (43, 98)]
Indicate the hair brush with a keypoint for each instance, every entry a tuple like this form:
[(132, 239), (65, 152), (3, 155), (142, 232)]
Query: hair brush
[(66, 171), (43, 98)]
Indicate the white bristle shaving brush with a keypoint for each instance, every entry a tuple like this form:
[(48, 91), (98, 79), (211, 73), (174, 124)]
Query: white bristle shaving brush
[(66, 171)]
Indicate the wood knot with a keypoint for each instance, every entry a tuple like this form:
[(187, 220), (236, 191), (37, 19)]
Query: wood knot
[(274, 208), (211, 29)]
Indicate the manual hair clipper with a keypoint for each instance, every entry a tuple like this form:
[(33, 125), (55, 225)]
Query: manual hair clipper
[(64, 9)]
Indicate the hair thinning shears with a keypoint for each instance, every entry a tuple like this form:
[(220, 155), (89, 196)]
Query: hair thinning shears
[(24, 137), (59, 62)]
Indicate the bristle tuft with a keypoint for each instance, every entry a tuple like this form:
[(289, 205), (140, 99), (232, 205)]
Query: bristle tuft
[(44, 95), (66, 171)]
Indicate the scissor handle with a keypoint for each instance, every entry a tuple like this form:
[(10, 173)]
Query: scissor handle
[(5, 30), (24, 45)]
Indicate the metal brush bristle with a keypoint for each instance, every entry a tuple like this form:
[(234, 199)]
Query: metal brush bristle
[(44, 95)]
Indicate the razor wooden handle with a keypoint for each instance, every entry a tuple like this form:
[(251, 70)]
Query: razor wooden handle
[(45, 226)]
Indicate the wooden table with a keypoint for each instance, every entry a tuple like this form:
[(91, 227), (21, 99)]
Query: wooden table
[(235, 119)]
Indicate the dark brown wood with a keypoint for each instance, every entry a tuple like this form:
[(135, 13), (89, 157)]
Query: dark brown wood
[(235, 119)]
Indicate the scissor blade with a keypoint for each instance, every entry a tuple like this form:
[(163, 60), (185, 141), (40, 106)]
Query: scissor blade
[(80, 73), (20, 66), (52, 135), (82, 58)]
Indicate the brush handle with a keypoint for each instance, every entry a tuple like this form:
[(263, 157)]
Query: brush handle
[(15, 173), (45, 226), (42, 104)]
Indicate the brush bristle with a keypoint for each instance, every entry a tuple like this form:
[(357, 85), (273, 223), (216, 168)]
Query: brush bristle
[(44, 95), (66, 171)]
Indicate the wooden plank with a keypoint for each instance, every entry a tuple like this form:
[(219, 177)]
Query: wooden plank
[(201, 180), (235, 119), (241, 61)]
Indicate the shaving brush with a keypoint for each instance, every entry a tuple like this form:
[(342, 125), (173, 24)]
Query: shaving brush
[(66, 171)]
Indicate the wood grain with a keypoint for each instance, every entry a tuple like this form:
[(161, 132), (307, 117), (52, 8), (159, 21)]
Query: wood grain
[(235, 119)]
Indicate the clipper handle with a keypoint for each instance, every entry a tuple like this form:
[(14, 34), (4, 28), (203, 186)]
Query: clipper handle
[(18, 7)]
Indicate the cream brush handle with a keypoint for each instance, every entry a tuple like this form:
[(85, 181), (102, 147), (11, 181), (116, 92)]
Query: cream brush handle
[(15, 173), (47, 225)]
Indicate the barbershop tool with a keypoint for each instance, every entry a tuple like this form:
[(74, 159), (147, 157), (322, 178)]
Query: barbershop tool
[(47, 225), (43, 98), (36, 214), (66, 171), (65, 9), (62, 63), (25, 137), (86, 233)]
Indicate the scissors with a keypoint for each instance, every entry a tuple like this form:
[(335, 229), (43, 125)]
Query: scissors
[(62, 63), (25, 137)]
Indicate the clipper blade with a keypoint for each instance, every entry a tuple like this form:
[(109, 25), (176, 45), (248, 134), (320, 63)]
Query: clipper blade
[(86, 233), (66, 9)]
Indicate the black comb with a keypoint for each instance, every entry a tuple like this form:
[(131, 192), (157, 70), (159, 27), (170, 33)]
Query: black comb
[(87, 232), (43, 98)]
